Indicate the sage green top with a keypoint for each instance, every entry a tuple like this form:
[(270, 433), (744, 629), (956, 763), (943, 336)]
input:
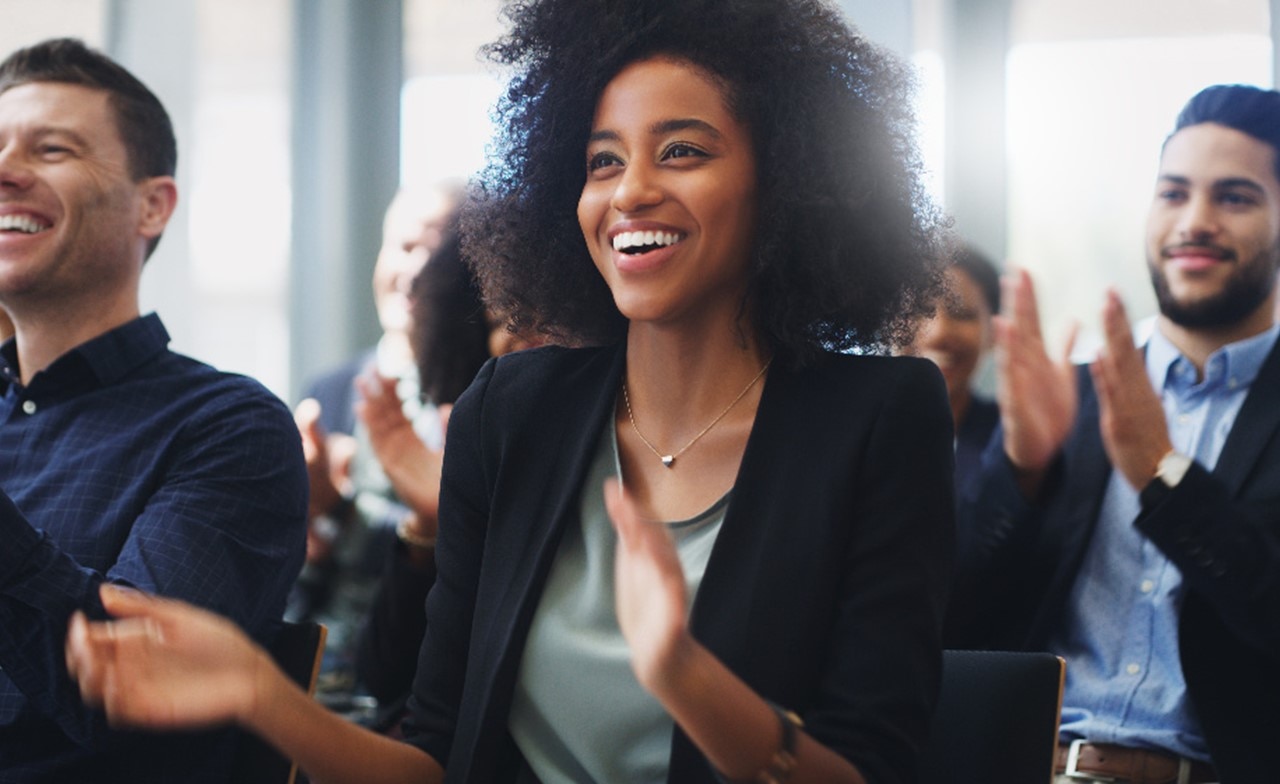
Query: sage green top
[(579, 714)]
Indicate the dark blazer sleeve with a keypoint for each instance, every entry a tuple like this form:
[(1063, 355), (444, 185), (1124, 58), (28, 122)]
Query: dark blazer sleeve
[(877, 691), (1228, 550), (878, 687), (1009, 548), (827, 583), (464, 512), (387, 649)]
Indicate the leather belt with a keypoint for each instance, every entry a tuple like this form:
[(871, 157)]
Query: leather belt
[(1105, 762)]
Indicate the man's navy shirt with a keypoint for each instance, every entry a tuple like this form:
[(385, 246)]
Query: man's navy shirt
[(127, 462)]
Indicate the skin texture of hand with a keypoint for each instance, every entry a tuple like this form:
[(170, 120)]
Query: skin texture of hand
[(168, 665), (1131, 417), (412, 467), (315, 449), (731, 724), (652, 606), (1037, 395), (328, 459), (164, 664)]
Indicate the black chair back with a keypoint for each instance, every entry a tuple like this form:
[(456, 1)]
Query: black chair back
[(297, 649), (996, 720)]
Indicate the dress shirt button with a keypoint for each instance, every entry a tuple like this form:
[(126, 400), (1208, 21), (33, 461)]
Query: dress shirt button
[(1132, 669), (1183, 419), (29, 406), (1147, 586)]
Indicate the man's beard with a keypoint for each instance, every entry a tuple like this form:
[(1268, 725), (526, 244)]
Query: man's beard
[(1244, 291)]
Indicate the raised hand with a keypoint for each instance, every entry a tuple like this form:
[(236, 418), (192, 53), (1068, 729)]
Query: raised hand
[(652, 605), (412, 467), (324, 492), (165, 664), (1135, 432), (328, 459), (1037, 395)]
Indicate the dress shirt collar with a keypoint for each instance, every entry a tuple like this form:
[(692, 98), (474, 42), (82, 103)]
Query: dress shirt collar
[(99, 361), (1234, 366)]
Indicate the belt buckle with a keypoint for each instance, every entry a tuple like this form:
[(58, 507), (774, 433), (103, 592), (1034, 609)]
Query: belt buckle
[(1072, 771)]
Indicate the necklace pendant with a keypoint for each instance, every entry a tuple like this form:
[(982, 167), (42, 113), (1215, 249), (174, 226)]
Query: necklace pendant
[(668, 460)]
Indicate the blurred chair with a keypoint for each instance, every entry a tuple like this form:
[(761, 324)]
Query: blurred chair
[(996, 720), (297, 650)]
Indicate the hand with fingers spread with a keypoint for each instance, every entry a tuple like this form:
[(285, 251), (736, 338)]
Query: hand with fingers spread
[(412, 466), (1135, 432), (1037, 395), (325, 493), (652, 604), (328, 459), (164, 664)]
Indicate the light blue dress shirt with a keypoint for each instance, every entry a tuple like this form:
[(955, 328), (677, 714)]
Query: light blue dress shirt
[(1120, 631)]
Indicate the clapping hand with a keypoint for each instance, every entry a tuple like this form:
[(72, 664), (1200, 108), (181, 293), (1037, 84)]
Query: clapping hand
[(328, 459), (1037, 395), (412, 466), (1131, 417), (164, 664), (651, 597)]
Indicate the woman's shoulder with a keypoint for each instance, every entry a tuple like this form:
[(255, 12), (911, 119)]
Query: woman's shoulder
[(869, 373), (551, 365), (540, 378)]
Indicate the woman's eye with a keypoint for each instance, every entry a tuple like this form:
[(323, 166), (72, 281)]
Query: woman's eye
[(602, 159), (682, 150)]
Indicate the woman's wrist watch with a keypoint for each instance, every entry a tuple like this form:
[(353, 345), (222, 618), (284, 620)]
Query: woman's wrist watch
[(783, 763), (778, 769)]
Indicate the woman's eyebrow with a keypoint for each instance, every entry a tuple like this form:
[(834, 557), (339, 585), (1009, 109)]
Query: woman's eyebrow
[(661, 127)]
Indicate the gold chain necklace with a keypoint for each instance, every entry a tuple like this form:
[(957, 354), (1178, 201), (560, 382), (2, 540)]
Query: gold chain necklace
[(670, 460)]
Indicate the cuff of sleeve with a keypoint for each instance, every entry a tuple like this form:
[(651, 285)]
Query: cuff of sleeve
[(20, 541)]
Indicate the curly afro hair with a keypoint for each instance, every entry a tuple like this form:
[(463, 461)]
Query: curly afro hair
[(849, 247)]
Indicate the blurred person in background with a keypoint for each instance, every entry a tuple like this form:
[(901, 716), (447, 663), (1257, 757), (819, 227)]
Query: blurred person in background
[(354, 510), (453, 335), (957, 338)]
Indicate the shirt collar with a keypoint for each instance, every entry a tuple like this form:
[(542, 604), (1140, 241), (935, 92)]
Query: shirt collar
[(1235, 365), (108, 357)]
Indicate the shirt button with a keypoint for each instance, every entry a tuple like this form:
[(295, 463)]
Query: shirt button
[(1147, 586), (1183, 419), (1133, 669), (29, 406)]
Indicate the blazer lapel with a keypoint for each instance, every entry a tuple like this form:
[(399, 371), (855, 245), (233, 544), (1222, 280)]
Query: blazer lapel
[(1254, 426), (585, 401)]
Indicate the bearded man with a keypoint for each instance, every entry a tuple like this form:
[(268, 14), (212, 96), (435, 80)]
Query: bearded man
[(1128, 514)]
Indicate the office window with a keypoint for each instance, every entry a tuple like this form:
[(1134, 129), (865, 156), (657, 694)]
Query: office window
[(1093, 89), (28, 21), (237, 184), (448, 90)]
